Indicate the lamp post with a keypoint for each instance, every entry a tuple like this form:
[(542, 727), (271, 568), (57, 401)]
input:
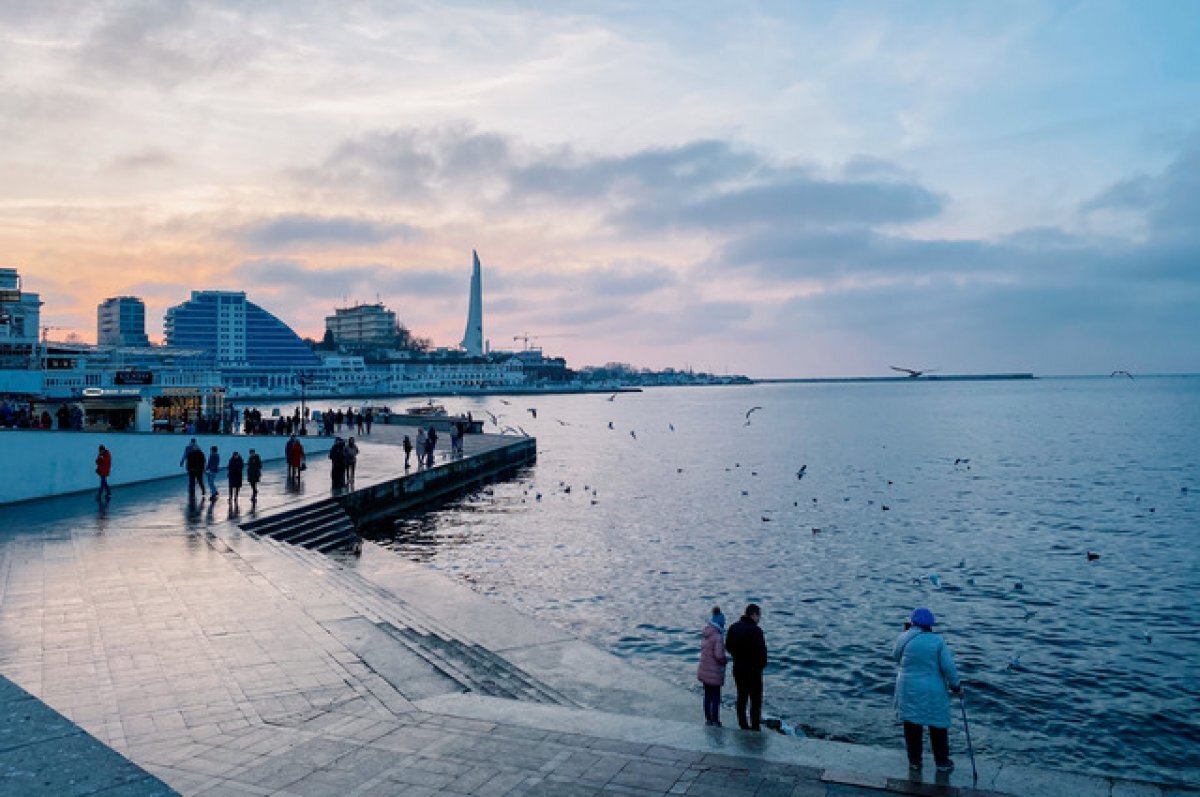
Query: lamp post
[(303, 379)]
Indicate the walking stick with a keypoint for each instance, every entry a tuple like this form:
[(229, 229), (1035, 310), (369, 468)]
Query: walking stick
[(962, 702)]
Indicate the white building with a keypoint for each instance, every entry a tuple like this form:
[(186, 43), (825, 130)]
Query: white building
[(362, 325)]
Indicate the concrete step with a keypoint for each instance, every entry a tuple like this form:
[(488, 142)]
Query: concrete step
[(841, 765), (471, 665), (325, 526)]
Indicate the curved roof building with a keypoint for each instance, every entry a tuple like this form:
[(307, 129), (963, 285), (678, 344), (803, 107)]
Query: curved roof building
[(238, 333)]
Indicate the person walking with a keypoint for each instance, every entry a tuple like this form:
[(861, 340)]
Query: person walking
[(745, 642), (430, 446), (351, 460), (234, 471), (711, 671), (408, 447), (193, 457), (254, 473), (211, 469), (369, 419), (103, 470), (420, 446), (294, 453), (337, 456), (926, 670)]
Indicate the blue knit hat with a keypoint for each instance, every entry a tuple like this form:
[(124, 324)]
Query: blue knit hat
[(718, 618), (923, 617)]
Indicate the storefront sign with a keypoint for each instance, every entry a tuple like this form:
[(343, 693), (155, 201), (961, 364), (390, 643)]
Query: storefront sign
[(132, 377)]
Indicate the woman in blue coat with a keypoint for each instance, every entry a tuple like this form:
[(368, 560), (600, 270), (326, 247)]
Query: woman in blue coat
[(926, 671)]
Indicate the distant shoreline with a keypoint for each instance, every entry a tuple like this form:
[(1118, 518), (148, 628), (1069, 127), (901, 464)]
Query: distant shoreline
[(922, 378)]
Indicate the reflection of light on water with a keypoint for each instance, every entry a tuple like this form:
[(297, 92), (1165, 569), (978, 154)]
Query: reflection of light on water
[(1055, 471)]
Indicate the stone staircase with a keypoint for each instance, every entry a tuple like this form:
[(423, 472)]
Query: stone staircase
[(467, 664), (324, 527)]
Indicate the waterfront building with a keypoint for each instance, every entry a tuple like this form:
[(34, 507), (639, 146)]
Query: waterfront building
[(236, 333), (121, 321), (472, 342), (362, 326)]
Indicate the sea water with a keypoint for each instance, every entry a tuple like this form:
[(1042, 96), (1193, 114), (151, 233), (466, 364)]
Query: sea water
[(980, 500)]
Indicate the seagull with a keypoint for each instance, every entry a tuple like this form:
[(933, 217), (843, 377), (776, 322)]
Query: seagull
[(532, 411), (1018, 585), (494, 419), (561, 422), (613, 397), (800, 473), (671, 426), (750, 412), (1149, 638), (1014, 663), (911, 372), (633, 434), (961, 461), (610, 425), (1121, 373), (504, 402), (1092, 556), (885, 507), (766, 519)]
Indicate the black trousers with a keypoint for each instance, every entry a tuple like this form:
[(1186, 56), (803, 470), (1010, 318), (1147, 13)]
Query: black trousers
[(939, 740), (749, 689)]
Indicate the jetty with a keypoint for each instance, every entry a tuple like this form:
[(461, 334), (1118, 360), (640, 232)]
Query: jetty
[(155, 645)]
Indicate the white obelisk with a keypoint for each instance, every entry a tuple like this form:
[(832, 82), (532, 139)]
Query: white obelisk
[(472, 341)]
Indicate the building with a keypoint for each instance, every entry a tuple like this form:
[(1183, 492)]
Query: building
[(362, 326), (236, 334), (121, 321), (472, 342)]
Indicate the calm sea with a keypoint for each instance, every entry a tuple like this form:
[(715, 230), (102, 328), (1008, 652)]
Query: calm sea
[(1069, 663)]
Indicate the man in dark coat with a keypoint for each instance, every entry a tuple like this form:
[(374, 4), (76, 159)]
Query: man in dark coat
[(193, 458), (337, 456), (745, 643)]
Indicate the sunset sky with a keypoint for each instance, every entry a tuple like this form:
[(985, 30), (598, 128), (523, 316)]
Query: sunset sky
[(772, 189)]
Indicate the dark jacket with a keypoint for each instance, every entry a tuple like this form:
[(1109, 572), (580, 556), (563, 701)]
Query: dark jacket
[(746, 644), (254, 468), (195, 461), (235, 466)]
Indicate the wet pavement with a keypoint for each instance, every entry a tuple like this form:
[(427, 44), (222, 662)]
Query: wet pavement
[(176, 644)]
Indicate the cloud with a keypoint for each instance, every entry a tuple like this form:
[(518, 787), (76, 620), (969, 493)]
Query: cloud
[(298, 228), (143, 160), (393, 284), (706, 184), (1169, 201)]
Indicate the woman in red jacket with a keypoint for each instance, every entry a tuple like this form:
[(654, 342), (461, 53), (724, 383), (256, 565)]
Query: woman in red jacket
[(103, 469)]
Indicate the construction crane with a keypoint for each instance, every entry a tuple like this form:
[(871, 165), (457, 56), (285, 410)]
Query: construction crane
[(525, 338)]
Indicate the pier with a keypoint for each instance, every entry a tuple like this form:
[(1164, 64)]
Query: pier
[(153, 645)]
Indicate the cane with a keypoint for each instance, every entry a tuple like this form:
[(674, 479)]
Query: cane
[(962, 702)]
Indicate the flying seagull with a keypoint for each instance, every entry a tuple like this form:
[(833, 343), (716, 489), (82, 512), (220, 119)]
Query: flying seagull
[(911, 372), (1121, 373), (494, 419), (532, 411), (751, 411), (633, 434), (613, 397)]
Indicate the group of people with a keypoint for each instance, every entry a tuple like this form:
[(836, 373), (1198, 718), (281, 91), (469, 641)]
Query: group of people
[(361, 421), (200, 468), (343, 458), (425, 446), (925, 678), (23, 415)]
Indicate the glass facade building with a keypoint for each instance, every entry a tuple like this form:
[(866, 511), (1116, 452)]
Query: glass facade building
[(237, 333), (121, 321)]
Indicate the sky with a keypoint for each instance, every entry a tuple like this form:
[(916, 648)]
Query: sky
[(772, 189)]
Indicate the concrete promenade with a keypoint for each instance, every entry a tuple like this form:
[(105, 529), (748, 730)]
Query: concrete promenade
[(185, 654)]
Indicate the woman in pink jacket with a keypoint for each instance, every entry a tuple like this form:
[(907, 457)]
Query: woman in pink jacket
[(711, 671)]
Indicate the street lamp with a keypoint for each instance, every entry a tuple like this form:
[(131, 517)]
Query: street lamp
[(303, 379)]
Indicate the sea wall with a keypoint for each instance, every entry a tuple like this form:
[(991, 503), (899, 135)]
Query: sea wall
[(38, 464), (380, 501)]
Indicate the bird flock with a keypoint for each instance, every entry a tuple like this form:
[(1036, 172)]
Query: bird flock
[(932, 580)]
